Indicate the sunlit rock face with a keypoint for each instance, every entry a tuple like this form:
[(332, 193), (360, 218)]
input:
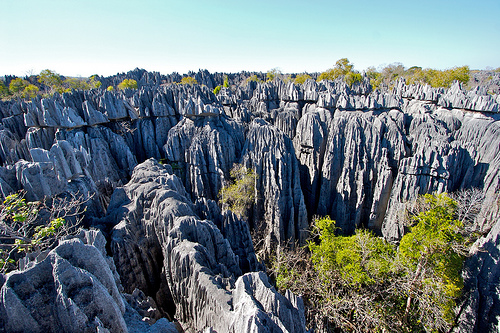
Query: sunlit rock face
[(319, 148)]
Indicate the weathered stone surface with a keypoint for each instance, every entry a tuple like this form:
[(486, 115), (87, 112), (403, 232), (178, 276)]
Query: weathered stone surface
[(360, 153), (481, 309), (279, 211), (310, 144), (72, 289), (92, 116), (161, 247), (206, 147), (356, 155)]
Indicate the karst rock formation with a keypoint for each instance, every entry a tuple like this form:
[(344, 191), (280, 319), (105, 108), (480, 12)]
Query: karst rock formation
[(318, 148)]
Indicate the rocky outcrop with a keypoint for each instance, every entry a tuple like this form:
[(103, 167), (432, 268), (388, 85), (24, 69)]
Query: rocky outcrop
[(161, 247), (481, 308), (206, 149), (72, 288), (317, 148), (279, 212)]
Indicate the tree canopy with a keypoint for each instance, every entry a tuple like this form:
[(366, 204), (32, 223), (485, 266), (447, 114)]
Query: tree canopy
[(128, 84)]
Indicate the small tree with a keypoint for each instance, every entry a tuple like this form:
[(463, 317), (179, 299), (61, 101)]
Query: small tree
[(22, 230), (363, 283), (188, 80), (301, 78), (253, 78), (273, 74), (239, 194), (30, 91), (128, 84), (74, 83), (17, 86), (4, 91), (94, 83), (51, 79)]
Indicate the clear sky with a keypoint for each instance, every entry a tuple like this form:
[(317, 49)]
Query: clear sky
[(80, 38)]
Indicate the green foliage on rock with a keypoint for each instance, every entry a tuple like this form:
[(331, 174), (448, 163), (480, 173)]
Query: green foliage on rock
[(239, 194), (110, 88), (433, 253), (388, 75), (273, 74), (352, 78), (74, 83), (217, 89), (4, 91), (438, 78), (364, 282), (188, 80), (22, 229), (17, 86), (50, 78), (343, 68), (30, 91), (301, 78), (253, 78), (360, 259), (128, 84)]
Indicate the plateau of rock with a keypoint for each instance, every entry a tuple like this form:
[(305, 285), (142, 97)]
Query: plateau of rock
[(165, 249)]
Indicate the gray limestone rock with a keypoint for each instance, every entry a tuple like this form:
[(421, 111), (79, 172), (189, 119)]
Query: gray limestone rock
[(207, 147), (279, 211), (481, 308), (92, 116), (161, 247), (72, 289)]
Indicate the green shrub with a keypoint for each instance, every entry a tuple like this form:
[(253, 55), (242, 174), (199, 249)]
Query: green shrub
[(30, 91), (16, 86), (364, 282), (342, 67), (110, 88), (76, 84), (217, 89), (352, 78), (226, 82), (188, 80), (128, 84), (94, 83), (253, 78), (4, 91), (239, 194), (50, 79), (301, 78), (22, 230)]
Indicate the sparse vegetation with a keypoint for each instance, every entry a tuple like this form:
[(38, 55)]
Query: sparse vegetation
[(128, 84), (435, 78), (239, 194), (253, 78), (363, 283), (342, 68), (301, 78), (22, 230), (273, 74), (188, 80)]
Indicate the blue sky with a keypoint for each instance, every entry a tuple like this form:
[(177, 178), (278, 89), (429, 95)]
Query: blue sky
[(80, 38)]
